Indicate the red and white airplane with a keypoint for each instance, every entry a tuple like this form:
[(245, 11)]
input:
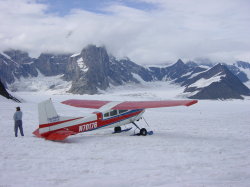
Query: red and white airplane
[(110, 114)]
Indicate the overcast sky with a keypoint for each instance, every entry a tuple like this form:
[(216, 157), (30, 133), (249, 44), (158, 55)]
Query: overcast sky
[(146, 31)]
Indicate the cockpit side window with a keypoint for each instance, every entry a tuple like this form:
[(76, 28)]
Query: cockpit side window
[(106, 114), (122, 111), (113, 112)]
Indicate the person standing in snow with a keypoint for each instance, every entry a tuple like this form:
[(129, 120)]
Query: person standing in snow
[(18, 121)]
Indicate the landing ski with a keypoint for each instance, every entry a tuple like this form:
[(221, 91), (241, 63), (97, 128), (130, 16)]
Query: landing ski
[(124, 130)]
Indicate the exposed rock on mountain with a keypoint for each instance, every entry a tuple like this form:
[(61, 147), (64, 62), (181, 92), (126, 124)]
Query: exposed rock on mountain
[(15, 64), (172, 72), (51, 64), (88, 71), (240, 74), (4, 93), (18, 56), (93, 69), (244, 65)]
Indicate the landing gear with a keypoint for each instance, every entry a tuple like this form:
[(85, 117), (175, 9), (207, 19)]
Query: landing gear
[(117, 129), (143, 132)]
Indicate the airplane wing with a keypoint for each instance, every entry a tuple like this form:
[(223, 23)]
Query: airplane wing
[(127, 105), (153, 104)]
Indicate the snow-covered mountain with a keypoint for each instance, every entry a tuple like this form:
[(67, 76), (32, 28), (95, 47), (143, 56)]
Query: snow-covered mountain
[(205, 82), (94, 70), (217, 82)]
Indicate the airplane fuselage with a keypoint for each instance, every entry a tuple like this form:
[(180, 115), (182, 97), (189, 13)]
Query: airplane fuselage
[(109, 119)]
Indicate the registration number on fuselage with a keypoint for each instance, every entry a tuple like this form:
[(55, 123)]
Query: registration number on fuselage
[(88, 126)]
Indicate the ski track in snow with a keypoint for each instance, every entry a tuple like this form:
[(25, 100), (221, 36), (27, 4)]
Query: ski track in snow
[(207, 144)]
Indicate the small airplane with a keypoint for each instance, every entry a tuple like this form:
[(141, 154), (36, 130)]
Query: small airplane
[(110, 114)]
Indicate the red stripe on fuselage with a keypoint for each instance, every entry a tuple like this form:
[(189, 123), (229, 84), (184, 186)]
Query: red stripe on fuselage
[(74, 128)]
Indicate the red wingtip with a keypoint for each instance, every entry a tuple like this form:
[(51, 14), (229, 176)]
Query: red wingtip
[(192, 102)]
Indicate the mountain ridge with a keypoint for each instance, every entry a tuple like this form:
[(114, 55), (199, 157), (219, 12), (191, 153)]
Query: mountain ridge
[(94, 70)]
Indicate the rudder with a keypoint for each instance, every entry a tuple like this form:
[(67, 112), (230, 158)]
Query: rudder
[(47, 112)]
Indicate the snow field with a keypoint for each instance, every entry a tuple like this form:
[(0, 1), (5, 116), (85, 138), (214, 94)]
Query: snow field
[(207, 144)]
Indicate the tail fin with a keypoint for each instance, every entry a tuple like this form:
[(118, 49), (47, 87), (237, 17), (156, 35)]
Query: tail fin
[(47, 112), (47, 117)]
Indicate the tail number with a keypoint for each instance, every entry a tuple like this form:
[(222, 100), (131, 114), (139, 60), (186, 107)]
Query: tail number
[(88, 126)]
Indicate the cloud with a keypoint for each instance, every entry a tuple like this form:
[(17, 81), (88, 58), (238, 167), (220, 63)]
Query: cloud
[(172, 29)]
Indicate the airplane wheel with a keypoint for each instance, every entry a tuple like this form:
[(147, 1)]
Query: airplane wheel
[(117, 129), (143, 132)]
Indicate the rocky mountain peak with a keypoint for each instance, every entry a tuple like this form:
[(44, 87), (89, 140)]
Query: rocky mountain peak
[(19, 56), (219, 69), (88, 70), (94, 56), (94, 70), (242, 64), (179, 63)]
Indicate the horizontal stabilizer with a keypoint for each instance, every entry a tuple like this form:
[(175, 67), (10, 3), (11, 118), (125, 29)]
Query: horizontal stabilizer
[(37, 134), (59, 135)]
